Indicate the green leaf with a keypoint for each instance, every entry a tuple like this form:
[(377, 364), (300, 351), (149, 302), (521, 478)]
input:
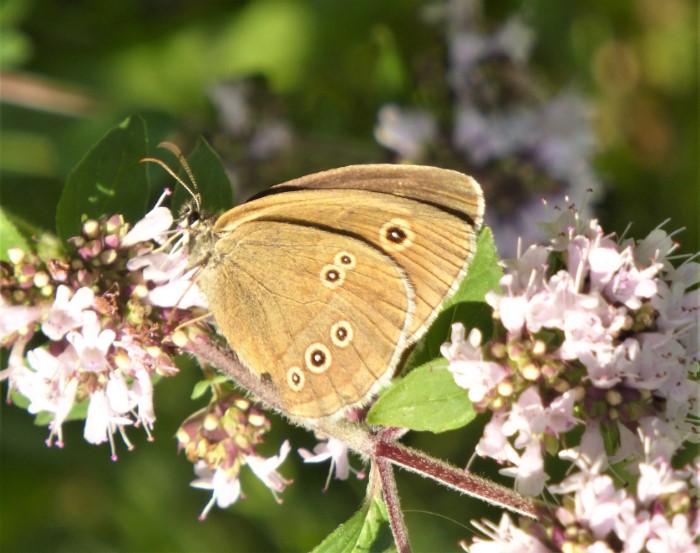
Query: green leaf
[(467, 305), (426, 399), (212, 180), (110, 179), (359, 533), (10, 237), (203, 386)]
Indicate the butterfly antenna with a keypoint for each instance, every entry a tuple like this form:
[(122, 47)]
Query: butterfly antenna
[(172, 148), (193, 190)]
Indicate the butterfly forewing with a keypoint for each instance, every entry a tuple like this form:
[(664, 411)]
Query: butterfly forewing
[(326, 319)]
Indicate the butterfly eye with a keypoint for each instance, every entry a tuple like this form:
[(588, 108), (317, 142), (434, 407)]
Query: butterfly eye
[(345, 259), (318, 358), (396, 234), (295, 379), (332, 276), (341, 334)]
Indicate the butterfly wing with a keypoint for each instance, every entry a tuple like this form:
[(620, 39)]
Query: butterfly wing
[(325, 315), (424, 218)]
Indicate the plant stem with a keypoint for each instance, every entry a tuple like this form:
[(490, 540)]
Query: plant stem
[(393, 505)]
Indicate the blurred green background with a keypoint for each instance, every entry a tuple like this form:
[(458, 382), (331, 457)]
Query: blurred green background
[(73, 69)]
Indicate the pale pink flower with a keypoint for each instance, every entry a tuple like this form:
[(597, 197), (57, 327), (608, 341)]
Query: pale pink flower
[(14, 318), (66, 313), (656, 479), (168, 271), (655, 248), (494, 443), (529, 419), (226, 487), (333, 450), (597, 502), (266, 469), (630, 285), (467, 364), (672, 536), (632, 527), (91, 343), (50, 387), (155, 225), (141, 394), (103, 420), (527, 469), (505, 538)]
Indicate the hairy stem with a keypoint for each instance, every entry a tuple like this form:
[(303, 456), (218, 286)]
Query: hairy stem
[(393, 505)]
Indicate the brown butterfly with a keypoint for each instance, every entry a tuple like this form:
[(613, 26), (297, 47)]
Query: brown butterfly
[(321, 283)]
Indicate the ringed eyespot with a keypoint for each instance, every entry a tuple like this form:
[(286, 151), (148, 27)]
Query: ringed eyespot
[(345, 259), (317, 358), (295, 379), (332, 276), (396, 234), (341, 334)]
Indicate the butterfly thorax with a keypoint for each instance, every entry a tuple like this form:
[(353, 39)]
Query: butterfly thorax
[(201, 237)]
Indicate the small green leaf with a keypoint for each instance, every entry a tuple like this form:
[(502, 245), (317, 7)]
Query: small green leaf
[(426, 399), (359, 533), (110, 179), (10, 237), (203, 386), (212, 181), (467, 305)]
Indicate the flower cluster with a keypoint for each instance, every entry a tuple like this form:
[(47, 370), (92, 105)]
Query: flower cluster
[(220, 439), (600, 334), (105, 312), (598, 516), (520, 140)]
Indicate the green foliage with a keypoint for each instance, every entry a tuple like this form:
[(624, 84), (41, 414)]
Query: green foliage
[(425, 399), (360, 533), (10, 237), (109, 179)]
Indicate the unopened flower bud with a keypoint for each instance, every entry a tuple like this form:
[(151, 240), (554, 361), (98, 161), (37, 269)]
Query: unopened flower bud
[(113, 224), (108, 257), (613, 397), (505, 388), (182, 436), (539, 348), (530, 372), (16, 255), (498, 350), (210, 422), (256, 419), (140, 291), (111, 241), (41, 279), (47, 291), (91, 229)]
